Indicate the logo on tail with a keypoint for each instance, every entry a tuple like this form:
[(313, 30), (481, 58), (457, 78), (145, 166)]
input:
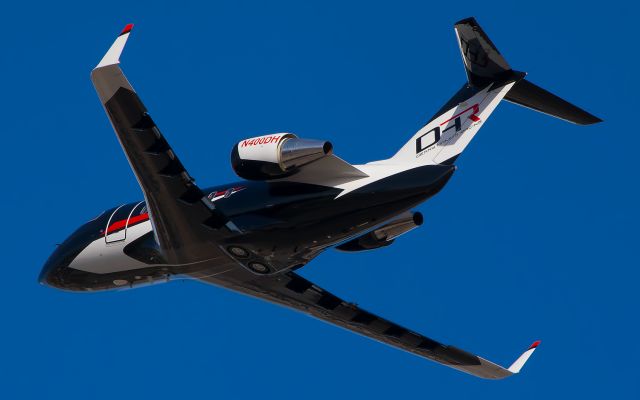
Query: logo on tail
[(429, 139)]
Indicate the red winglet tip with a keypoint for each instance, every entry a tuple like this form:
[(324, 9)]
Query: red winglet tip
[(535, 344), (126, 29)]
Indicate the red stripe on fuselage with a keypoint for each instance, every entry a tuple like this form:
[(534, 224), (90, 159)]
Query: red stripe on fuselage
[(118, 225)]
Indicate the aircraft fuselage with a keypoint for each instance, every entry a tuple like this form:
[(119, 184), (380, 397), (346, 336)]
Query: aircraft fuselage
[(286, 224)]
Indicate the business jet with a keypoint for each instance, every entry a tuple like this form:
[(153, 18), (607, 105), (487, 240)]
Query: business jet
[(296, 199)]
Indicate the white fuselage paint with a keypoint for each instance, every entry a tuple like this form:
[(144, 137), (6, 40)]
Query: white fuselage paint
[(101, 257)]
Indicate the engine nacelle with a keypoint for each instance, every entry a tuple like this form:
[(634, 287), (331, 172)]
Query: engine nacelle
[(275, 156), (385, 235)]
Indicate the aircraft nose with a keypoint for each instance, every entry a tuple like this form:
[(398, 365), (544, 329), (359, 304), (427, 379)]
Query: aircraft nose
[(56, 272), (44, 273), (52, 269)]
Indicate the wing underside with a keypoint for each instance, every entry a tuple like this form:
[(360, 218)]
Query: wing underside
[(293, 291), (181, 214)]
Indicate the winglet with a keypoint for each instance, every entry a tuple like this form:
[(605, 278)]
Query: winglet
[(519, 363), (107, 77), (126, 29), (113, 55)]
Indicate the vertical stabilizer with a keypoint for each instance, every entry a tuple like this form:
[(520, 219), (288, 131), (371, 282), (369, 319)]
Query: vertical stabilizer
[(490, 79)]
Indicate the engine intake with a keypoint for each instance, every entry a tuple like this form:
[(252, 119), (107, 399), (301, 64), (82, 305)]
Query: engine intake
[(275, 156)]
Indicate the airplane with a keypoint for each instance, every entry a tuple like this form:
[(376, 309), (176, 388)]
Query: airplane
[(296, 199)]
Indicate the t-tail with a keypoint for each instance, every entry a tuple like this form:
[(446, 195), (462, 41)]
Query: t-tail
[(489, 80)]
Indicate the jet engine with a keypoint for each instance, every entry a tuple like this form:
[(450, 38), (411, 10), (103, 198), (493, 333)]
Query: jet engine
[(384, 235), (275, 156)]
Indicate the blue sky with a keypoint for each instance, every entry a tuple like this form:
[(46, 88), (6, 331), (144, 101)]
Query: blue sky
[(535, 237)]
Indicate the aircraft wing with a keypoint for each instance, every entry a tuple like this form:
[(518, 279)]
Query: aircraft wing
[(293, 291), (179, 211)]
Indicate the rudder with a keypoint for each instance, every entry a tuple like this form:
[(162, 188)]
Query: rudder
[(490, 79), (485, 65), (482, 61)]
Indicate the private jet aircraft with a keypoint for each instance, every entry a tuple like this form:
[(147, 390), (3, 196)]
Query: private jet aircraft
[(297, 199)]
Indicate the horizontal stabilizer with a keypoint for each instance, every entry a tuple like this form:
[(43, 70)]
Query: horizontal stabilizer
[(528, 95), (486, 66)]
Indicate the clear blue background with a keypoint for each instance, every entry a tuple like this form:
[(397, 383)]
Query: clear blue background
[(535, 237)]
